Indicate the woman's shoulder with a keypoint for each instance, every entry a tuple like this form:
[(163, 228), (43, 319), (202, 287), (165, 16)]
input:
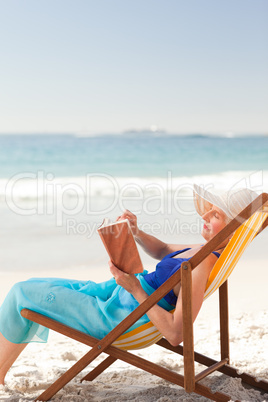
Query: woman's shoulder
[(172, 248), (206, 266), (177, 247)]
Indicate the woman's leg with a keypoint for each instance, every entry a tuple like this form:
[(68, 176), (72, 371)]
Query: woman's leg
[(8, 354)]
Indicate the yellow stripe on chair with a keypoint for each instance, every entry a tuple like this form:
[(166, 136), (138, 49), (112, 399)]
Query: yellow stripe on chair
[(142, 337), (231, 254), (139, 338), (147, 334)]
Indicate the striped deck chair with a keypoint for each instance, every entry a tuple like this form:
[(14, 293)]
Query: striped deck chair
[(147, 334), (251, 221)]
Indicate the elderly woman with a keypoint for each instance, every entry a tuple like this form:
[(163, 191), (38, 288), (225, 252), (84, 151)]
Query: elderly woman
[(97, 308)]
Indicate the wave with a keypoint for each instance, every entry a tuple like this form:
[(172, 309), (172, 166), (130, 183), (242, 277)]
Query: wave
[(49, 188)]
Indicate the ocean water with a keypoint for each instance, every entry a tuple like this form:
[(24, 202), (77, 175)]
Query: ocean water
[(132, 155), (128, 159), (56, 189)]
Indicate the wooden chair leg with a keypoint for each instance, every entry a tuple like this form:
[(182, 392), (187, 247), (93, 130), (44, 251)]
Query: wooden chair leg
[(99, 369), (123, 355), (226, 369), (188, 337), (224, 321)]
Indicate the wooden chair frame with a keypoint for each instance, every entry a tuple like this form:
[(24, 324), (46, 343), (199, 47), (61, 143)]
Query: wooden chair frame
[(189, 380)]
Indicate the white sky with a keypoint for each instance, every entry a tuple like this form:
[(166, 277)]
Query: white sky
[(112, 65)]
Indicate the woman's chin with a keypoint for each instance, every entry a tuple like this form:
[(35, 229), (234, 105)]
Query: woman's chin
[(205, 235)]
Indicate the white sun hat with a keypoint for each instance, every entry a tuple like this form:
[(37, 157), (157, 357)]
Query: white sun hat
[(231, 202)]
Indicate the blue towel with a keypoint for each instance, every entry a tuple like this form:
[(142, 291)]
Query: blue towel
[(93, 308)]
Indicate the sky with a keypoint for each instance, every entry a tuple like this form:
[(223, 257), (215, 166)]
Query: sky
[(106, 66)]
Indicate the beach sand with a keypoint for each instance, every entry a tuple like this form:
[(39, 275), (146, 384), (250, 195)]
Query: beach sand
[(40, 364)]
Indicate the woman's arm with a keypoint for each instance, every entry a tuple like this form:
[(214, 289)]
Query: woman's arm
[(150, 244), (170, 325)]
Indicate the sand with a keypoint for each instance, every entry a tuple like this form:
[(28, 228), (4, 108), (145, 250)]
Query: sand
[(40, 364)]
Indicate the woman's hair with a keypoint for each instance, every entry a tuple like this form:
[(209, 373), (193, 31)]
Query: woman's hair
[(227, 219)]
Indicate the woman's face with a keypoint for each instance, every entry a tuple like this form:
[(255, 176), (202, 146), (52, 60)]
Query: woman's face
[(215, 220)]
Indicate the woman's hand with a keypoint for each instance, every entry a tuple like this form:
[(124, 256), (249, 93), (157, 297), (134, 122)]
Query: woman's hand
[(127, 281), (132, 220)]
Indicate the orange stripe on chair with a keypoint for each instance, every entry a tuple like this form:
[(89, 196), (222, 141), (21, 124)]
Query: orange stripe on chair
[(231, 254)]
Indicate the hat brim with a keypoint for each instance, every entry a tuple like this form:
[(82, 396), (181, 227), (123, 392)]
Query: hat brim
[(205, 199), (231, 202)]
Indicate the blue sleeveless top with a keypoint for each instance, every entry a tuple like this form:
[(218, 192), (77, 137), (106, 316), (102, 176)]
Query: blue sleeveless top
[(166, 268)]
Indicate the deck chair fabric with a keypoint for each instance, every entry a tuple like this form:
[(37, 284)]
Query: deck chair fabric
[(147, 334), (233, 251), (253, 224)]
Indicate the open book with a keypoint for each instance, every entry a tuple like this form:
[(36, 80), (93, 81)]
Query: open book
[(120, 244)]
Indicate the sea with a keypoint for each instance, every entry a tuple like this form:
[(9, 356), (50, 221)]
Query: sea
[(56, 189)]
